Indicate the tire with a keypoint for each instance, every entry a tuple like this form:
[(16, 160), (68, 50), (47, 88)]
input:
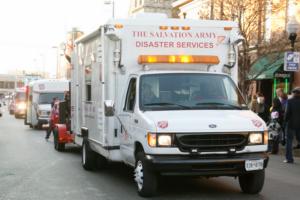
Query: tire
[(146, 179), (30, 125), (252, 183), (57, 146), (88, 156)]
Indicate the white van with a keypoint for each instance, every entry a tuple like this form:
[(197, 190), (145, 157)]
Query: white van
[(160, 95), (39, 95)]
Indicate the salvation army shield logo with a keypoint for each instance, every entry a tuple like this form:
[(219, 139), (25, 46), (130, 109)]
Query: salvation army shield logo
[(257, 123), (162, 124)]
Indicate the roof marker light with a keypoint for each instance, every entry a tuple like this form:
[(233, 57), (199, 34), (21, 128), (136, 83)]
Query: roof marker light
[(163, 27), (119, 26), (227, 28), (186, 28), (175, 28)]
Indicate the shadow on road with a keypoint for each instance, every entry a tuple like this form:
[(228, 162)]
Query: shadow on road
[(178, 187)]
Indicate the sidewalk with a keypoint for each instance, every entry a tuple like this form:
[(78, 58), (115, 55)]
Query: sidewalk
[(296, 152)]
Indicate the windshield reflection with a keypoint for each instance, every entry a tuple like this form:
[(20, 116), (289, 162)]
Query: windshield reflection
[(186, 91)]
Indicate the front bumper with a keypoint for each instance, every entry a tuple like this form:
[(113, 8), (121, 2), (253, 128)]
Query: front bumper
[(43, 120), (208, 165), (19, 112)]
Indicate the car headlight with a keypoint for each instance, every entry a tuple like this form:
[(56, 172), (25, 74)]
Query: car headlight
[(159, 140), (255, 138), (21, 106), (42, 112), (164, 140)]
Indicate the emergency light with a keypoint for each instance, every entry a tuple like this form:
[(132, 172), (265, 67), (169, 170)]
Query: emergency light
[(188, 59)]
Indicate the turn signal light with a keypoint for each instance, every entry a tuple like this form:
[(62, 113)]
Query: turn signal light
[(266, 137), (151, 139)]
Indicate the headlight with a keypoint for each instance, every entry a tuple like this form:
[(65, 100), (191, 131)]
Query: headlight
[(21, 106), (159, 140), (42, 112), (255, 138), (164, 140)]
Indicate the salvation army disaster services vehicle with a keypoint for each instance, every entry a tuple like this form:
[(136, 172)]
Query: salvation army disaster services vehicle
[(39, 95), (160, 95)]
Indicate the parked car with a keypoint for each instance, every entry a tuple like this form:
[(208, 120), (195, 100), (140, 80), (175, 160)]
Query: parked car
[(20, 104)]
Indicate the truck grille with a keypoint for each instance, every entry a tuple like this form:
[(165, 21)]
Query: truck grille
[(211, 142)]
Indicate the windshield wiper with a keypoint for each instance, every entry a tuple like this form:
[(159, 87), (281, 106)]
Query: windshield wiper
[(167, 104), (221, 104)]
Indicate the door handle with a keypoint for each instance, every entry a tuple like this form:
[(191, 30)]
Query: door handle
[(136, 121)]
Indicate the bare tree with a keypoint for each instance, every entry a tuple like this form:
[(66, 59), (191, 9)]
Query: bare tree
[(251, 17)]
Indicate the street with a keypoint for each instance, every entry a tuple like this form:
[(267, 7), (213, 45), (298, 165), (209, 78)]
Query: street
[(31, 169)]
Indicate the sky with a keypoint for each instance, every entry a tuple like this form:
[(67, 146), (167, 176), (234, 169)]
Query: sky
[(31, 29)]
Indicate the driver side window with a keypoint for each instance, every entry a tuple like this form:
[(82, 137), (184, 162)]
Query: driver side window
[(131, 96)]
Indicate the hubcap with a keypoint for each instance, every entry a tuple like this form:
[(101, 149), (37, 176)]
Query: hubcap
[(138, 175)]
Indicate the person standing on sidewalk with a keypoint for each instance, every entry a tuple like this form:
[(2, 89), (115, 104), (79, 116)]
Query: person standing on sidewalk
[(292, 119)]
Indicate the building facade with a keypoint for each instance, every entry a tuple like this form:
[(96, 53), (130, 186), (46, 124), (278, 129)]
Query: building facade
[(8, 83), (263, 24), (151, 6), (65, 49)]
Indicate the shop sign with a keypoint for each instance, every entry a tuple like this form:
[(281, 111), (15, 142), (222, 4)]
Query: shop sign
[(291, 61), (282, 75)]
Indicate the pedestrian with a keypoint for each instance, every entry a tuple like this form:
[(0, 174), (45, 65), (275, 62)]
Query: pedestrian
[(292, 119), (277, 107), (261, 108), (253, 103), (283, 97), (53, 118), (53, 101)]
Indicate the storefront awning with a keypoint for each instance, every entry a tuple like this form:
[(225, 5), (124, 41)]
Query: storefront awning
[(264, 67)]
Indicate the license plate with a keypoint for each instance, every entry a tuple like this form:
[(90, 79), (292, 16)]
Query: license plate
[(251, 165), (45, 126)]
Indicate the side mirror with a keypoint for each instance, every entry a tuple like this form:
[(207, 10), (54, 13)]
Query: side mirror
[(109, 108)]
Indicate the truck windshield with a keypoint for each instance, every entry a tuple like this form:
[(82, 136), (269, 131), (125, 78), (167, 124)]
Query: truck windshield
[(189, 91), (46, 98)]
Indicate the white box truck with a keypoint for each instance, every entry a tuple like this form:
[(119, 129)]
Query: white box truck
[(39, 95), (160, 95)]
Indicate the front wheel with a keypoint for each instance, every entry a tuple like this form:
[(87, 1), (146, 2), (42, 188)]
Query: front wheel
[(252, 183), (88, 156), (145, 178), (57, 146)]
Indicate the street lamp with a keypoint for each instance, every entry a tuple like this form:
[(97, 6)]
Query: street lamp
[(292, 28), (111, 2)]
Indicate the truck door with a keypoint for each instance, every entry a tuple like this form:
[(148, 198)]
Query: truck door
[(127, 124)]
